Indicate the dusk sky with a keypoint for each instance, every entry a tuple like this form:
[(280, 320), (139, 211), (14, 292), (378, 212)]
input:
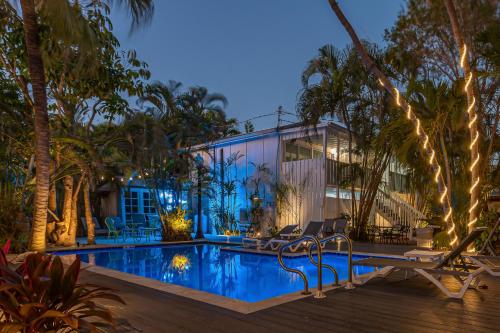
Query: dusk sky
[(253, 52)]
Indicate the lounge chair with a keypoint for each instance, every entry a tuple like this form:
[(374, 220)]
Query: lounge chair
[(314, 228), (429, 269), (489, 246), (265, 242), (490, 264)]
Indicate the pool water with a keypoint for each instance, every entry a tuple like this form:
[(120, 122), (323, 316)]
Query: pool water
[(244, 276)]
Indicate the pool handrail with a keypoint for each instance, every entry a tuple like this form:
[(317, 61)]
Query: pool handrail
[(315, 263), (305, 238), (324, 241)]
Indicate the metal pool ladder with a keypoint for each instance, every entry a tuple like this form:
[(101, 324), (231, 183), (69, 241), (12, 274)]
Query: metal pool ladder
[(319, 264), (324, 241)]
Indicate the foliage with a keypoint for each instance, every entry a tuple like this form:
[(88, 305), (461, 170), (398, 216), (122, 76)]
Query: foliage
[(223, 201), (13, 224), (175, 226), (40, 296), (423, 53), (347, 92), (258, 184)]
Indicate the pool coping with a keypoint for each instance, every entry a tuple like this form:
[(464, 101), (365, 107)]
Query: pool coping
[(224, 302)]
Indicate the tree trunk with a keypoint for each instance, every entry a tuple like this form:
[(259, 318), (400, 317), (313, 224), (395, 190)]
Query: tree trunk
[(199, 229), (372, 67), (71, 240), (67, 203), (88, 213), (42, 141), (474, 154)]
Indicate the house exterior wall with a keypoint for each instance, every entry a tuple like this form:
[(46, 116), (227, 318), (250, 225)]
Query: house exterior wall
[(252, 152)]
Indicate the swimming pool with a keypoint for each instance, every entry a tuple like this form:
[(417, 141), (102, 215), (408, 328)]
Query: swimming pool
[(247, 277)]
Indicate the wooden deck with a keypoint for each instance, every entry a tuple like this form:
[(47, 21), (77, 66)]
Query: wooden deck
[(390, 305)]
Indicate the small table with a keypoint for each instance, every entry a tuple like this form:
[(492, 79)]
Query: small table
[(423, 255)]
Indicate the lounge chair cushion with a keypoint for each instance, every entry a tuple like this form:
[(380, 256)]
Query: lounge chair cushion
[(383, 262)]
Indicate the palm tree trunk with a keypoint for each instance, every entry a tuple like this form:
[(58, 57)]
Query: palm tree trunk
[(74, 214), (372, 67), (68, 196), (474, 154), (42, 142), (88, 213)]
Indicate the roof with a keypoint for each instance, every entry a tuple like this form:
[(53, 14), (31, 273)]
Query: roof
[(296, 127)]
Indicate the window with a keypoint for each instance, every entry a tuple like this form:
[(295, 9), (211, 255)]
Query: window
[(304, 148), (131, 202), (148, 203)]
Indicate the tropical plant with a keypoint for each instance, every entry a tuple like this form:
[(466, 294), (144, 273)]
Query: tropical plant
[(41, 296), (422, 49), (223, 201), (177, 227), (44, 22), (346, 92)]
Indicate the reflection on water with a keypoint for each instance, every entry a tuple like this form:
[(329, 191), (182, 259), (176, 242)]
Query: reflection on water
[(243, 276)]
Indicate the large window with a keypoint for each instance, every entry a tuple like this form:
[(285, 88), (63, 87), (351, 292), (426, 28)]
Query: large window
[(131, 203), (148, 203), (304, 148)]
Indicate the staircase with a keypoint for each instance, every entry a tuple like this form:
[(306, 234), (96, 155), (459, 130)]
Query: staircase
[(395, 210)]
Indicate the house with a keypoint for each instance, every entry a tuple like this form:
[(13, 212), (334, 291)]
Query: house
[(289, 175), (310, 163)]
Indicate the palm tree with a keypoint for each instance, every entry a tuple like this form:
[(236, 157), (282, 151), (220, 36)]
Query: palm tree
[(140, 10), (42, 155)]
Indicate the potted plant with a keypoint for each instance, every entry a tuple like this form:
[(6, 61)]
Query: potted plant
[(424, 233)]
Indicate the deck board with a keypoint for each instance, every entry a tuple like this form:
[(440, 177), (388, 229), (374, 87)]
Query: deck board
[(388, 305)]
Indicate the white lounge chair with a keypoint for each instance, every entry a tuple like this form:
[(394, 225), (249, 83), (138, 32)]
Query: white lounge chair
[(431, 270), (313, 229), (264, 242), (490, 264)]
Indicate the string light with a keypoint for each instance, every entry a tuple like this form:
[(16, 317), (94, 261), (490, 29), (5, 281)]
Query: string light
[(431, 160), (473, 145), (444, 194), (471, 223), (438, 173), (469, 109), (474, 141), (473, 121), (398, 102), (469, 80), (473, 165), (474, 185), (473, 206), (462, 58)]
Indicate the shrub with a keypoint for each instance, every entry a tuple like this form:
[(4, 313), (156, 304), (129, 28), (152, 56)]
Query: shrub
[(175, 226), (40, 296)]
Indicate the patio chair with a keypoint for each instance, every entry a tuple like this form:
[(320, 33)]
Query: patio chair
[(432, 268), (490, 264), (265, 242), (98, 230), (112, 230), (314, 228), (488, 246), (374, 233), (340, 226)]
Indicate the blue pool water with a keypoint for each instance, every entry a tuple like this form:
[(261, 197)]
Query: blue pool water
[(243, 276)]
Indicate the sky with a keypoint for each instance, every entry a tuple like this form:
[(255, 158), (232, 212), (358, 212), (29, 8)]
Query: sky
[(253, 52)]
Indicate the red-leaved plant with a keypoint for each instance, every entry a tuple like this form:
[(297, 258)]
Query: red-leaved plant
[(41, 296)]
